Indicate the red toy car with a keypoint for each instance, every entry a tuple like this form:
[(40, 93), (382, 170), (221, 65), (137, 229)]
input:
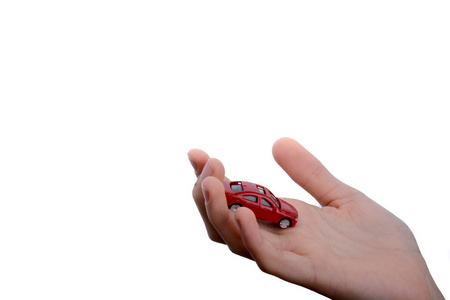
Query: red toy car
[(261, 201)]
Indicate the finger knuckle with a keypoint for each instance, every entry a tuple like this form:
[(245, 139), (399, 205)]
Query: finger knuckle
[(264, 266), (215, 237), (234, 250)]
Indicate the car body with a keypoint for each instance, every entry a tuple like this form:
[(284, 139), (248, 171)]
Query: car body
[(261, 201)]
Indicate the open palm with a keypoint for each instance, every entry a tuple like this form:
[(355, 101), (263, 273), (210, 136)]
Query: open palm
[(349, 248)]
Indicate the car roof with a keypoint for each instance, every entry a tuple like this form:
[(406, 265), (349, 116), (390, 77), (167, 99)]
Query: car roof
[(249, 186)]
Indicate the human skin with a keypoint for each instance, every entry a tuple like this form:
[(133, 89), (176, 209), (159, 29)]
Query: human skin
[(348, 248)]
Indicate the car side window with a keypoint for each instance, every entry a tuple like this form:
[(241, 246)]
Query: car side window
[(236, 187), (250, 198), (265, 202)]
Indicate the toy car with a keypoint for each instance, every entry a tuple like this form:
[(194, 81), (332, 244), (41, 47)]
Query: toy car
[(261, 201)]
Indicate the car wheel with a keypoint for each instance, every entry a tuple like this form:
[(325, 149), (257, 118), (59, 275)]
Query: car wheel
[(235, 206), (285, 223)]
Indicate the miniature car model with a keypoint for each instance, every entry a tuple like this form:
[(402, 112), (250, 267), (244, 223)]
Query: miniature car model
[(261, 201)]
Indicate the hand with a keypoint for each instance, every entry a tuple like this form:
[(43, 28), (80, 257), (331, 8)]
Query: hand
[(349, 248)]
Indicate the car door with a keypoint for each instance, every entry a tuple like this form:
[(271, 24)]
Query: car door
[(250, 201), (266, 209)]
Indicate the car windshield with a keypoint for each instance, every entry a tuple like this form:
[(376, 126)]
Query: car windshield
[(274, 199), (261, 190)]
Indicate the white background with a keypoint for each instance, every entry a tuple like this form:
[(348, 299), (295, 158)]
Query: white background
[(101, 100)]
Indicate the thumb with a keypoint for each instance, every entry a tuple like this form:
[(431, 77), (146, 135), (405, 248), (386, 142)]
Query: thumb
[(308, 172)]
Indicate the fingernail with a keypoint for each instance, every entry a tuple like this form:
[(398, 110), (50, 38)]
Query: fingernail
[(207, 170), (238, 222), (205, 194)]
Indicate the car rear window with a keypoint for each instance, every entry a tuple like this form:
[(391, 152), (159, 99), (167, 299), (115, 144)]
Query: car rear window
[(236, 187)]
